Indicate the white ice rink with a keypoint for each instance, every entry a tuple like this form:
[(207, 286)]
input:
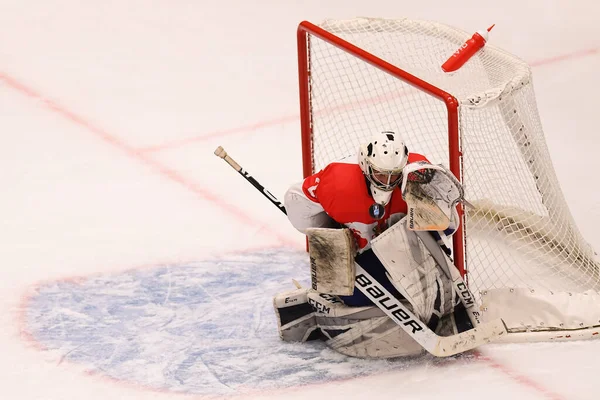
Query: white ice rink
[(137, 265)]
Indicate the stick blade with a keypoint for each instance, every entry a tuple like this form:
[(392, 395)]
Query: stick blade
[(483, 334)]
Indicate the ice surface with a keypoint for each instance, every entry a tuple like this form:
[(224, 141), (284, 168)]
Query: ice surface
[(136, 265)]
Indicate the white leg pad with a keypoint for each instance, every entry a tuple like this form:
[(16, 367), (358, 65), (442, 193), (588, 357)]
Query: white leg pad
[(364, 332), (295, 317), (413, 271)]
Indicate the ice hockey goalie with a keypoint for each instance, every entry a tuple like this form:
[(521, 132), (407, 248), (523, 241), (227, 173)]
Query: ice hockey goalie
[(391, 212)]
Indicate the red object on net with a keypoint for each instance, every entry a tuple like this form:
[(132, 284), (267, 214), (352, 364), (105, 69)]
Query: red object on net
[(466, 51)]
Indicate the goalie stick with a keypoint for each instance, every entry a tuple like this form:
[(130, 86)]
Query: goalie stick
[(439, 346), (221, 153)]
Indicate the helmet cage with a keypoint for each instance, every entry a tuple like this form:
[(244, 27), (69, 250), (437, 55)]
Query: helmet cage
[(383, 179)]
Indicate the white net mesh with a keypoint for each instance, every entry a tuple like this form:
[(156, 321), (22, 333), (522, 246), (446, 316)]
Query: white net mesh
[(521, 233)]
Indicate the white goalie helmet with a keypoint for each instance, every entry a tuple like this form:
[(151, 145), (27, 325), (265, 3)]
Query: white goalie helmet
[(382, 159)]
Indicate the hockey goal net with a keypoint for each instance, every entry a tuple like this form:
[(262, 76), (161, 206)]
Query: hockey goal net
[(519, 247)]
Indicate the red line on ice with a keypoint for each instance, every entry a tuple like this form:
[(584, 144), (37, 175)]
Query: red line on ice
[(518, 377), (132, 152)]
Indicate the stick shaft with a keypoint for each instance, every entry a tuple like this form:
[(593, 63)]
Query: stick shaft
[(220, 152)]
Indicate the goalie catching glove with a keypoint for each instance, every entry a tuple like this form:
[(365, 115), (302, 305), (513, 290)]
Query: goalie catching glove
[(431, 193)]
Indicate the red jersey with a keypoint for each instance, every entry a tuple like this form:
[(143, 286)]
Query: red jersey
[(342, 192)]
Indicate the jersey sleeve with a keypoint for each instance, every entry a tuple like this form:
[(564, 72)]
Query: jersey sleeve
[(303, 207)]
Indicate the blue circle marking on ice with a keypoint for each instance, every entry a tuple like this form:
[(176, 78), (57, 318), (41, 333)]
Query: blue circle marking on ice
[(203, 328)]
